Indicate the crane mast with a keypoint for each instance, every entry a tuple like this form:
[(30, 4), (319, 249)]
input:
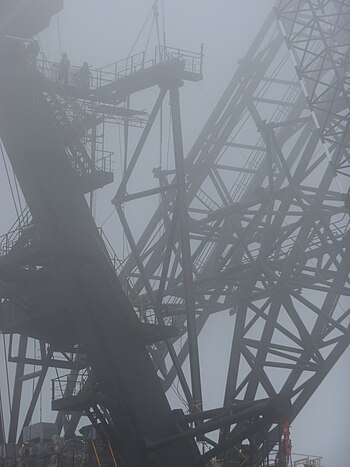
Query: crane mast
[(63, 253)]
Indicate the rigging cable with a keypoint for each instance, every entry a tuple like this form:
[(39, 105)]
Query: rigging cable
[(163, 22), (205, 94), (141, 30), (168, 145), (9, 180), (107, 218), (150, 32), (156, 17), (2, 416), (7, 374), (17, 191), (154, 13), (123, 166), (59, 34)]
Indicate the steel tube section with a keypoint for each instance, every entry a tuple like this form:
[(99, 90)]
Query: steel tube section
[(167, 255), (36, 394), (150, 192), (254, 410), (122, 188), (119, 198), (17, 391), (162, 283), (186, 250)]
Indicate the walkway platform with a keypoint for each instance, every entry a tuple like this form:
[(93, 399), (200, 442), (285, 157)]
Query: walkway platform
[(111, 84)]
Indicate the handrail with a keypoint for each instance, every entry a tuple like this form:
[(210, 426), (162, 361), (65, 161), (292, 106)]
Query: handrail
[(66, 386), (9, 240), (72, 112), (192, 61)]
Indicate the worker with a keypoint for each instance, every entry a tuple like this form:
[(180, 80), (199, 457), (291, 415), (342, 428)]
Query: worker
[(63, 69), (85, 76)]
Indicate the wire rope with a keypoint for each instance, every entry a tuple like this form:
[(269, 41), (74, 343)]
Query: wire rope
[(33, 379), (163, 23), (59, 34), (46, 43), (168, 145), (107, 218), (17, 190), (156, 17), (150, 34), (2, 414), (7, 374), (9, 179), (205, 94), (141, 31)]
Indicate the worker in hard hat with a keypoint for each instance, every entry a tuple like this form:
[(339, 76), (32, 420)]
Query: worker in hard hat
[(63, 69), (85, 76)]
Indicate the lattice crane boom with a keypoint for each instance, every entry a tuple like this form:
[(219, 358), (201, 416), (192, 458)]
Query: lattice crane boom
[(255, 222), (267, 193)]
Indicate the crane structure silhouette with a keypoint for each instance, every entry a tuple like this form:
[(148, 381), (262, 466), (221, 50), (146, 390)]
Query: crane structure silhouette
[(252, 224)]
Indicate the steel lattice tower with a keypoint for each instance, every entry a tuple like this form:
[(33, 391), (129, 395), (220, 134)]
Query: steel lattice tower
[(268, 213), (254, 221)]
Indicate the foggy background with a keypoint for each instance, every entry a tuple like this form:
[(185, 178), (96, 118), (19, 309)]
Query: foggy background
[(101, 32)]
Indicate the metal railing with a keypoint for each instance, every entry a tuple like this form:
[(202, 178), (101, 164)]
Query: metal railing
[(73, 77), (118, 264), (115, 260), (104, 163), (12, 238), (85, 155), (122, 69), (307, 461), (66, 386), (193, 61), (285, 248)]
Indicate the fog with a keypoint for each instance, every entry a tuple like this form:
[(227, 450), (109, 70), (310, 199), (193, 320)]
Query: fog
[(101, 32)]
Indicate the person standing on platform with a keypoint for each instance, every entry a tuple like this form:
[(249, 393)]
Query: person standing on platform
[(85, 76), (63, 69)]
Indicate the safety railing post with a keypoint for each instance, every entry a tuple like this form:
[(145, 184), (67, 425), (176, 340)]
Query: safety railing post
[(201, 59)]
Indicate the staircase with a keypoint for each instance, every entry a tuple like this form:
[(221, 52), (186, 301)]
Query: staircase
[(81, 161), (81, 395)]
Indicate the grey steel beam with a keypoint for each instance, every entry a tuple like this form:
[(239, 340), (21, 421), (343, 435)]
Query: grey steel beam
[(17, 392), (186, 250)]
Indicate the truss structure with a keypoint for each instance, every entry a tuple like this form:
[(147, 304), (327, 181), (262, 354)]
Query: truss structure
[(253, 224), (267, 209)]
